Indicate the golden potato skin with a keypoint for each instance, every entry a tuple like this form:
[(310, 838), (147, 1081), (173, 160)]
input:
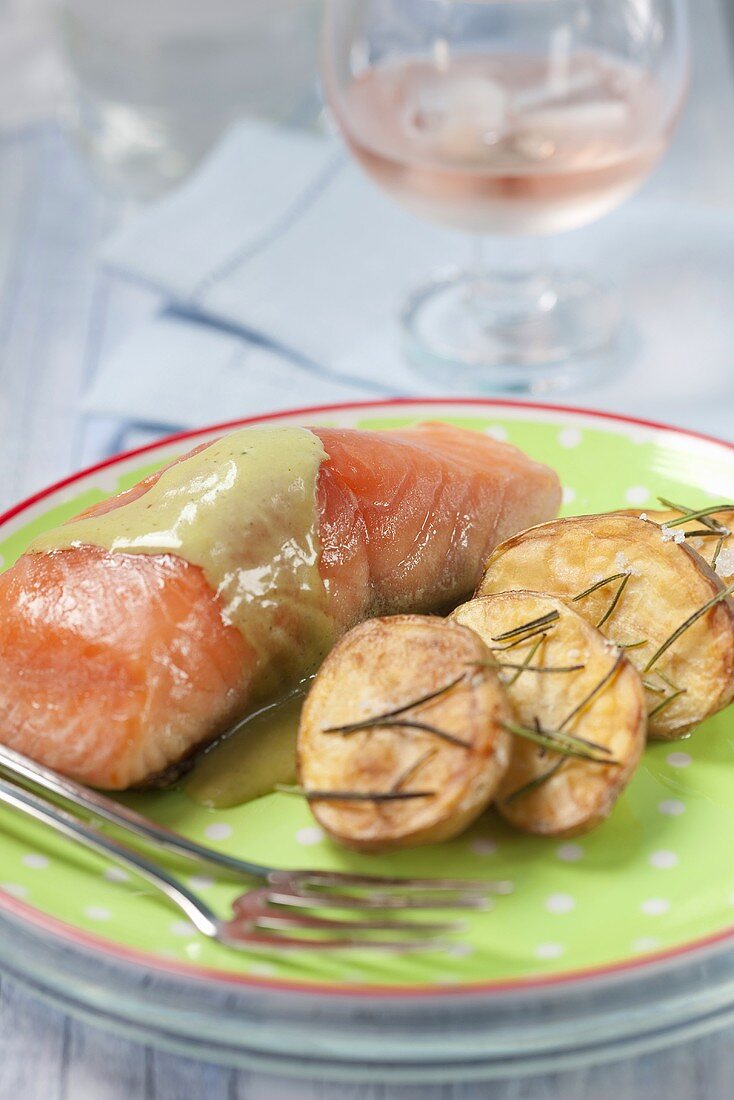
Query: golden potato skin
[(668, 583), (706, 547), (581, 794), (381, 665)]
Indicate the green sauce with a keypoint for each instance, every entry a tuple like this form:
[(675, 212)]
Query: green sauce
[(244, 510), (249, 763)]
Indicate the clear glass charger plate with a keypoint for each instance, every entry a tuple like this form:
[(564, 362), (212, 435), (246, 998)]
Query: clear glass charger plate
[(609, 945)]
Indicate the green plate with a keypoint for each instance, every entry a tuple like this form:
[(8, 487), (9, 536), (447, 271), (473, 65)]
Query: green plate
[(657, 879)]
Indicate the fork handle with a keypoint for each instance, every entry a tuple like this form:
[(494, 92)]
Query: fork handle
[(26, 770), (200, 915)]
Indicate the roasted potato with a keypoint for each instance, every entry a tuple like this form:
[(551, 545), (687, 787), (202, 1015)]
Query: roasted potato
[(587, 689), (434, 761), (716, 549), (654, 597)]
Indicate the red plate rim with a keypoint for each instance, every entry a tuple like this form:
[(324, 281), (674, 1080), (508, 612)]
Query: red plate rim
[(44, 922)]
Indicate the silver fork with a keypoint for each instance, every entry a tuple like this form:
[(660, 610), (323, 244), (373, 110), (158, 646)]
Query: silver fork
[(264, 917)]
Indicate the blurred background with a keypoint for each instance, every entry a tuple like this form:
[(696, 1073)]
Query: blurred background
[(530, 198)]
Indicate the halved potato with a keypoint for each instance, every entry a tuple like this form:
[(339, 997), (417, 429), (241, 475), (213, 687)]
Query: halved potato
[(418, 670), (665, 585), (705, 544), (543, 792)]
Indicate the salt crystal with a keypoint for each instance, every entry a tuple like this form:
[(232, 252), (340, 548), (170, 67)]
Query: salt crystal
[(673, 535), (643, 515), (725, 562)]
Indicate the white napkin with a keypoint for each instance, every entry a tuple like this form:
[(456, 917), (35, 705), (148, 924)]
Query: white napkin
[(286, 269)]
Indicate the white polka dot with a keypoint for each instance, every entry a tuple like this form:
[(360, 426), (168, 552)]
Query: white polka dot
[(116, 874), (166, 953), (560, 903), (730, 899), (201, 882), (570, 853), (672, 807), (97, 912), (655, 907), (262, 970), (569, 494), (311, 834), (460, 950), (14, 889), (645, 943), (36, 861), (497, 432), (483, 846), (548, 951), (679, 759), (569, 437), (663, 860), (182, 928), (218, 831), (637, 494)]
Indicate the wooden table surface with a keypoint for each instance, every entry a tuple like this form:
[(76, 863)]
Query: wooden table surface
[(58, 314)]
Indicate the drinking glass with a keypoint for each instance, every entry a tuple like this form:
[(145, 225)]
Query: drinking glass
[(512, 118), (156, 82)]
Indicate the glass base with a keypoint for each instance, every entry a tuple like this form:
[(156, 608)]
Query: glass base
[(512, 332)]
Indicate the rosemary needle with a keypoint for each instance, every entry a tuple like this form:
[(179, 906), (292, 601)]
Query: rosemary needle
[(702, 513), (594, 691), (354, 796), (713, 524), (544, 620), (528, 788), (666, 702), (564, 743), (398, 723), (400, 710), (613, 605), (598, 585), (688, 623)]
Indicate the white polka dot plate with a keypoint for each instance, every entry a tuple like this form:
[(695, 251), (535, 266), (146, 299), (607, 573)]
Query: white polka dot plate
[(614, 942)]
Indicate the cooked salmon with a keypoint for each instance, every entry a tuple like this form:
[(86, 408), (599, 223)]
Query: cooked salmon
[(116, 667)]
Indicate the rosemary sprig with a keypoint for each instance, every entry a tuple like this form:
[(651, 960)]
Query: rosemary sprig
[(704, 533), (632, 645), (666, 702), (615, 600), (397, 723), (564, 743), (523, 666), (594, 692), (534, 624), (535, 668), (391, 718), (685, 625), (528, 788), (708, 521), (623, 578), (544, 630), (653, 688), (702, 513), (354, 796), (407, 706), (598, 585)]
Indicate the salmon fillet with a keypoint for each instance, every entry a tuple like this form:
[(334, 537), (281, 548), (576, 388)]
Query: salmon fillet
[(114, 667)]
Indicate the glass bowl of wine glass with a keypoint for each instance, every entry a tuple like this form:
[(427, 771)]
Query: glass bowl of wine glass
[(516, 119)]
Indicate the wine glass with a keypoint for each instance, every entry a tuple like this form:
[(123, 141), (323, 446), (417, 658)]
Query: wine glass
[(521, 118)]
